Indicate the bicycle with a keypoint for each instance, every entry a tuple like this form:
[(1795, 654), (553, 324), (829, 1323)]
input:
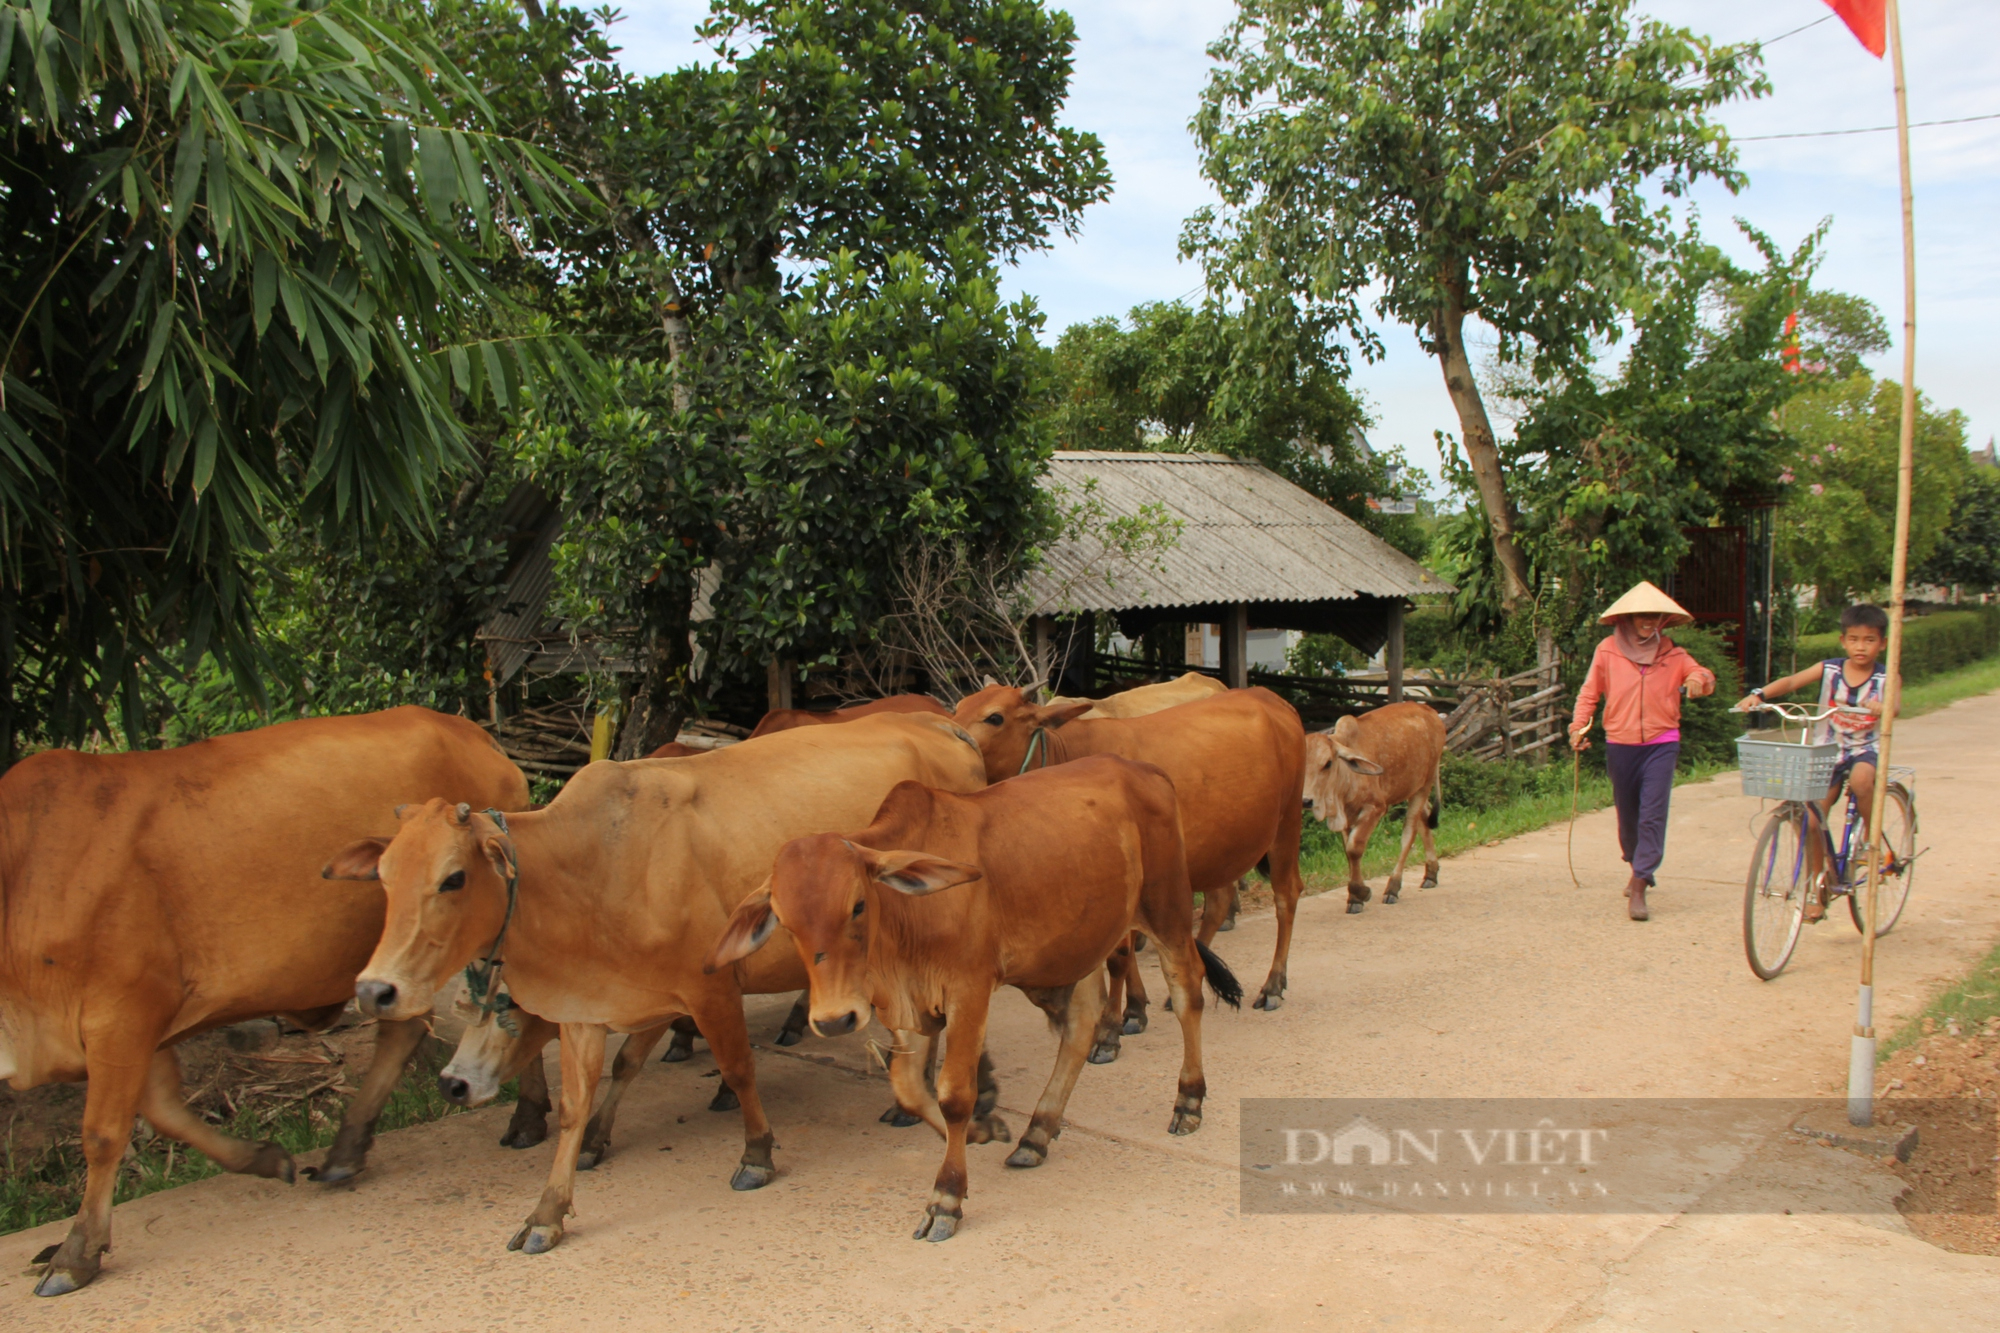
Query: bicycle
[(1775, 891)]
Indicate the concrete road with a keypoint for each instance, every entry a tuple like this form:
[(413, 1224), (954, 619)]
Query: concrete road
[(1503, 981)]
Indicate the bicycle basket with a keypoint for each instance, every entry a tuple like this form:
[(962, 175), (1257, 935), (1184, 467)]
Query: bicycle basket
[(1785, 770)]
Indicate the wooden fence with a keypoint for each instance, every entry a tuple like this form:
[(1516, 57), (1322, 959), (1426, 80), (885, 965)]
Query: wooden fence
[(1499, 717)]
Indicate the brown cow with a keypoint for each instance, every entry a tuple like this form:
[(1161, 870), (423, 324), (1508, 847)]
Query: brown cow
[(1143, 699), (146, 897), (603, 904), (1237, 762), (1057, 868), (675, 750), (784, 719), (1367, 765)]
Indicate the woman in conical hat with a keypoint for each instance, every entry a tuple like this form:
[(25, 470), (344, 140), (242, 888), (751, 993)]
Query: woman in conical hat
[(1640, 674)]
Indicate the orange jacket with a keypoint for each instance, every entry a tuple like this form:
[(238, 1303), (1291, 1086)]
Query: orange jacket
[(1639, 702)]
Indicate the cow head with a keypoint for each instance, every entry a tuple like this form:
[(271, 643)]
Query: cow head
[(1333, 773), (1002, 720), (491, 1050), (445, 875), (820, 890)]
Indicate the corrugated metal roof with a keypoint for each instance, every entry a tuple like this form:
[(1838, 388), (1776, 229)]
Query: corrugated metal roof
[(1248, 536)]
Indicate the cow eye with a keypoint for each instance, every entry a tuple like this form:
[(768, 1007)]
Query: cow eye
[(859, 908), (994, 719), (818, 958), (455, 880)]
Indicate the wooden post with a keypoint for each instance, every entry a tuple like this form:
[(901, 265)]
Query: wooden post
[(1236, 646), (778, 685), (603, 732), (1503, 696), (1045, 628), (1084, 654), (1392, 652)]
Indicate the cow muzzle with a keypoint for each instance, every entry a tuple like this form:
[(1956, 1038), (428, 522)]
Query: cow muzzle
[(839, 1025), (377, 999)]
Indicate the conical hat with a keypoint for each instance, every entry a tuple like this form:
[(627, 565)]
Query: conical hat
[(1647, 600)]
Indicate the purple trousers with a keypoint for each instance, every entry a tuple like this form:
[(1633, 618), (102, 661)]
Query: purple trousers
[(1642, 780)]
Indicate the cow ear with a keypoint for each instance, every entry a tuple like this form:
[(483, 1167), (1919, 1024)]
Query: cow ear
[(918, 873), (362, 860), (1054, 715), (749, 926), (1360, 762), (499, 849)]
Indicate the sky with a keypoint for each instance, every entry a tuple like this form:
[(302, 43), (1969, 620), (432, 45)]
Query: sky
[(1141, 65)]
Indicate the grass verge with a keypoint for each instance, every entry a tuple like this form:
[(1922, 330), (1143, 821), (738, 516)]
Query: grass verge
[(1930, 695), (47, 1186), (1969, 1003)]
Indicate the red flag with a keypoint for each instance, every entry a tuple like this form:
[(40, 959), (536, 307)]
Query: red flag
[(1865, 19)]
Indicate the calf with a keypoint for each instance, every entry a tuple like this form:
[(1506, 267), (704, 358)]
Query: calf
[(1056, 868), (1365, 766)]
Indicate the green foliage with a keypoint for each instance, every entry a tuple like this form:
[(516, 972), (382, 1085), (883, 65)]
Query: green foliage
[(1968, 550), (1323, 655), (1837, 526), (1708, 729), (1495, 159), (247, 274), (1932, 644)]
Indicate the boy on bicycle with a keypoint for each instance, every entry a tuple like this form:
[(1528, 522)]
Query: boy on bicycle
[(1858, 681)]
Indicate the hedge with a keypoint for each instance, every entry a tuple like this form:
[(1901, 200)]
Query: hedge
[(1932, 644)]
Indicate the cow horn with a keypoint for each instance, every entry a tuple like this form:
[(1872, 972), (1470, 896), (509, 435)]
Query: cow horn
[(987, 682), (463, 813)]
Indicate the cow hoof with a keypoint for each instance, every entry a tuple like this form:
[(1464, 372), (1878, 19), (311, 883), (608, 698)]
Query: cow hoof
[(536, 1238), (900, 1118), (524, 1136), (588, 1158), (1430, 882), (1394, 895), (936, 1226), (989, 1129), (1104, 1053), (749, 1177), (333, 1173), (62, 1281), (1269, 1000), (1230, 924), (274, 1163), (1027, 1155), (677, 1052), (725, 1100), (1184, 1122), (790, 1038), (1135, 1022)]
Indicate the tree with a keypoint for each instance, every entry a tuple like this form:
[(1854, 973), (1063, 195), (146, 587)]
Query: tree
[(246, 275), (1486, 160), (1186, 379), (1837, 526), (1968, 550), (795, 244)]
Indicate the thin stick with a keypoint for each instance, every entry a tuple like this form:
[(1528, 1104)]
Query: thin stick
[(1861, 1058), (1575, 791)]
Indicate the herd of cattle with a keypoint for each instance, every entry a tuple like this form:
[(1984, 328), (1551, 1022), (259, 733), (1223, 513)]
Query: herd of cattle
[(894, 862)]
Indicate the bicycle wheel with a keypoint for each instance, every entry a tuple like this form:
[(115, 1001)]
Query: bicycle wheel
[(1899, 838), (1774, 893)]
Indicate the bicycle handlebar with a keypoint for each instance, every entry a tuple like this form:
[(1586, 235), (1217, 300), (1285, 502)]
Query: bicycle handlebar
[(1803, 713)]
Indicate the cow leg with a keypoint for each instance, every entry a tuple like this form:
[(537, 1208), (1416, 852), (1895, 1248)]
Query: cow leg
[(794, 1030), (721, 1020), (912, 1090), (1123, 969), (987, 1126), (631, 1058), (1357, 848), (1218, 905), (1235, 905), (582, 1065), (682, 1046), (958, 1096), (1413, 818), (1080, 1008), (117, 1066), (1134, 1016), (530, 1124), (1430, 833), (395, 1042), (1282, 862), (167, 1111)]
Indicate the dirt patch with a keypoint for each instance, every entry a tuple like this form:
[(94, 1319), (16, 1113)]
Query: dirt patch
[(290, 1085), (1947, 1084)]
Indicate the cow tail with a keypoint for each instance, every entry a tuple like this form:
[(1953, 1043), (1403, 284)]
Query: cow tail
[(1437, 797), (1220, 979)]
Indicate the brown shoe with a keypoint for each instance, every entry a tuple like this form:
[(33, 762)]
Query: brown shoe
[(1635, 900)]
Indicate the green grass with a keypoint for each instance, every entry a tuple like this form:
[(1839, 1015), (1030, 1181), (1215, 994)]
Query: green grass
[(48, 1186), (1974, 1001), (1948, 688)]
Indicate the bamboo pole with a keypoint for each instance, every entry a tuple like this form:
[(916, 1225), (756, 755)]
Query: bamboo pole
[(1861, 1050)]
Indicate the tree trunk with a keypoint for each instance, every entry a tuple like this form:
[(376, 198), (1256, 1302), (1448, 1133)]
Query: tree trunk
[(1448, 332), (662, 675)]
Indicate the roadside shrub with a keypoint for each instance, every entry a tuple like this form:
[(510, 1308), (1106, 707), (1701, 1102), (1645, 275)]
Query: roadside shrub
[(1932, 644), (1708, 729)]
